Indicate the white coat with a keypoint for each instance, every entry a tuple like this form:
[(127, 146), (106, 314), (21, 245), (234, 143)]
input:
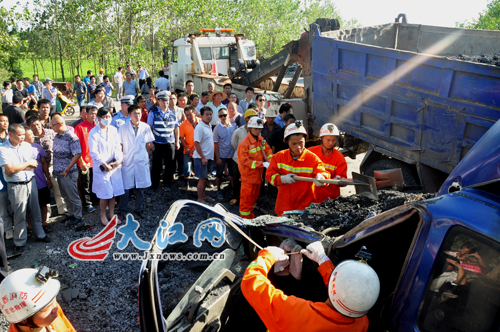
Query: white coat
[(104, 146), (135, 167)]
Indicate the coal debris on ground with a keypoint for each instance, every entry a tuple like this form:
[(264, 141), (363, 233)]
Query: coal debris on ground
[(345, 213)]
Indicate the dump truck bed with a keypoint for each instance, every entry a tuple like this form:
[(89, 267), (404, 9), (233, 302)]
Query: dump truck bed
[(394, 87)]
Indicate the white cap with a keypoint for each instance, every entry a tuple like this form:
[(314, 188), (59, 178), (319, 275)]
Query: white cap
[(271, 112), (163, 95), (329, 129), (24, 292), (353, 288), (295, 128), (128, 99), (255, 122)]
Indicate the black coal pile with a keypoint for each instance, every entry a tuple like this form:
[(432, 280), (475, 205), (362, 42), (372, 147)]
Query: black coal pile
[(489, 59), (345, 213)]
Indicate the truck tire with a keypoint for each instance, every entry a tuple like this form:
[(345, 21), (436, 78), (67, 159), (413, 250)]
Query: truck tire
[(409, 177)]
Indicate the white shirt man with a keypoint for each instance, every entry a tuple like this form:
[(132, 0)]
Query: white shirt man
[(162, 83)]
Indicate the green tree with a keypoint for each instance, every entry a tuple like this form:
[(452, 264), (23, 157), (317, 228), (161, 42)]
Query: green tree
[(488, 19)]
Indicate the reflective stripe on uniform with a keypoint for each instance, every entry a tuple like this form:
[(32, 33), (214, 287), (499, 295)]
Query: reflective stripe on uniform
[(258, 262), (254, 150), (295, 169), (273, 178), (269, 156), (330, 167), (253, 164), (245, 213)]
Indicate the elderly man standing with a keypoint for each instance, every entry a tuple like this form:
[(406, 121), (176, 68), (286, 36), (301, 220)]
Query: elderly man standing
[(85, 171), (270, 127), (136, 139), (165, 126), (45, 138), (67, 152), (18, 162), (216, 97), (223, 149), (234, 116)]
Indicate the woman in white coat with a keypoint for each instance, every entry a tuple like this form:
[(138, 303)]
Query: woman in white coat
[(136, 138), (107, 156)]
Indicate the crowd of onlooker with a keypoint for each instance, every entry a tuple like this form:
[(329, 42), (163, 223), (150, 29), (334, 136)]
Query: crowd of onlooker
[(109, 154)]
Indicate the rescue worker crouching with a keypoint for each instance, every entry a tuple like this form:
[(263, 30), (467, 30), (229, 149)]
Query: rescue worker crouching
[(28, 301), (251, 164), (333, 161), (353, 289), (296, 160)]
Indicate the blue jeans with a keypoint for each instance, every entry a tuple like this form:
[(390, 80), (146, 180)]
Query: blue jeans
[(187, 166), (81, 99)]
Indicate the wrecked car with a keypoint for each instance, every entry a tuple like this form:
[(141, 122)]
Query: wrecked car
[(414, 247)]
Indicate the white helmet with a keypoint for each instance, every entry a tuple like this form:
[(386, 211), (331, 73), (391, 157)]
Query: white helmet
[(255, 122), (329, 129), (295, 128), (353, 288), (25, 292)]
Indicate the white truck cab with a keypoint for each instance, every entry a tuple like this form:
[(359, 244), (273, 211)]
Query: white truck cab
[(222, 48)]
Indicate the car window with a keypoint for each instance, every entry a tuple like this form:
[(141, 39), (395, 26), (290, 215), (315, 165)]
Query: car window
[(221, 52), (464, 291), (174, 54)]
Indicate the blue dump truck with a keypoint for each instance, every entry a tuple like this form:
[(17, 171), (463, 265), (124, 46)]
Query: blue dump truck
[(401, 95), (438, 260)]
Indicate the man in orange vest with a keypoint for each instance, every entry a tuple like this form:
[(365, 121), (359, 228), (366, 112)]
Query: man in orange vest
[(251, 164), (353, 288), (333, 161), (34, 308), (297, 160)]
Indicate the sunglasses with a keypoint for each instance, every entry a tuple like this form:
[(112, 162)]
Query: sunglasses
[(223, 116), (261, 100)]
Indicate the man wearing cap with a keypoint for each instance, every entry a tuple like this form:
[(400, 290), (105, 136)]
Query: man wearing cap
[(285, 109), (50, 93), (297, 160), (99, 78), (165, 126), (122, 117), (251, 163), (238, 136), (332, 159), (14, 111), (270, 127), (130, 86), (216, 97)]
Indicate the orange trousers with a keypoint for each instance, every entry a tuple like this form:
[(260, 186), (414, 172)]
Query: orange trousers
[(248, 197)]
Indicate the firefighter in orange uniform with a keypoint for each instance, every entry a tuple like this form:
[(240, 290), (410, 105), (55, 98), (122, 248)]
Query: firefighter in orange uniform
[(353, 288), (29, 301), (333, 161), (251, 164), (297, 160)]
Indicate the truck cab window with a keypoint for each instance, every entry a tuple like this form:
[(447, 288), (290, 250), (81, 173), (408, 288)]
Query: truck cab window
[(464, 291), (221, 52), (206, 53), (250, 50), (174, 54)]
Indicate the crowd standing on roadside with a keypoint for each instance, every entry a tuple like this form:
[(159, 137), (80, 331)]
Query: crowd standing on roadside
[(155, 136)]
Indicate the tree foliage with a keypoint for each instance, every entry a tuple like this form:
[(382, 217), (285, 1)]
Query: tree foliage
[(488, 20), (112, 33)]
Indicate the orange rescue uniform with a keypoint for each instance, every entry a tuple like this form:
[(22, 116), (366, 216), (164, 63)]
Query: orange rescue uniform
[(60, 324), (250, 165), (280, 312), (336, 165), (299, 195)]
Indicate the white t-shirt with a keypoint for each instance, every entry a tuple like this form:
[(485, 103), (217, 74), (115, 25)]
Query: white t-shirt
[(203, 135), (119, 77), (162, 84), (215, 114), (143, 74)]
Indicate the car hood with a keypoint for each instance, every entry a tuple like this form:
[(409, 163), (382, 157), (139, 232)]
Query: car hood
[(480, 166)]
